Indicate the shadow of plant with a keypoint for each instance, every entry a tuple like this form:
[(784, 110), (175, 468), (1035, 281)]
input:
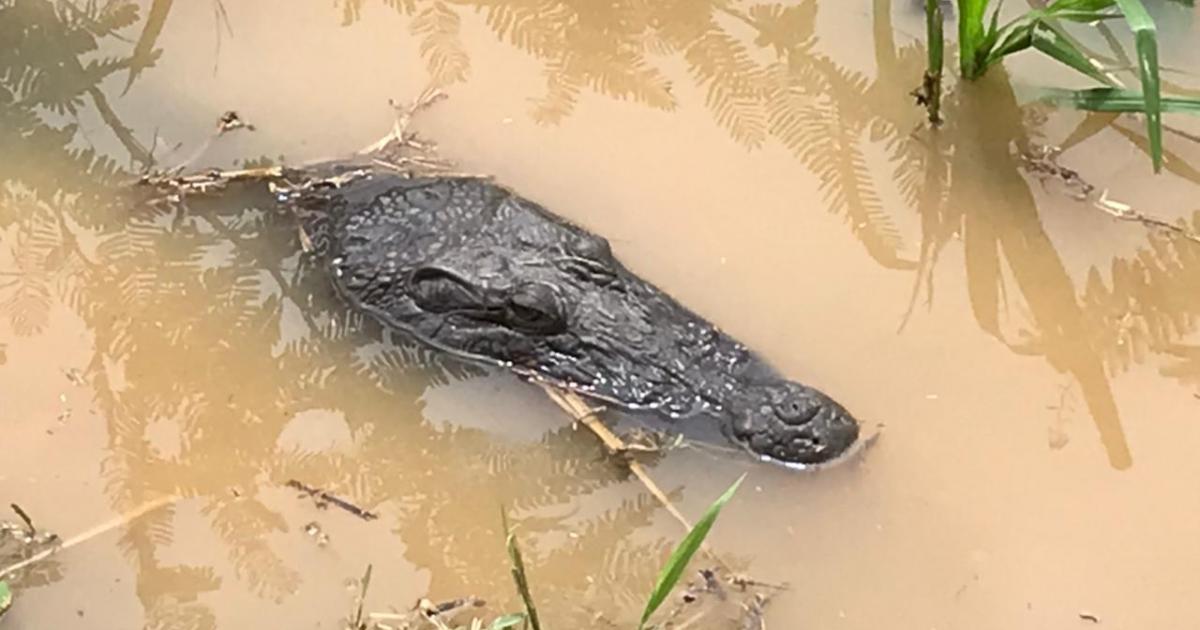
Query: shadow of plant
[(207, 316), (765, 78)]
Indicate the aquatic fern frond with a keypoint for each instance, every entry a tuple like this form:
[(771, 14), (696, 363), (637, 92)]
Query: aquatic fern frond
[(445, 58), (734, 85)]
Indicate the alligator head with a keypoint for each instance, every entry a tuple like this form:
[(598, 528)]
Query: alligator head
[(475, 270)]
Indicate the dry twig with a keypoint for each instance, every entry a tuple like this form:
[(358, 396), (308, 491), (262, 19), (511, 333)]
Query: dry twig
[(581, 412), (102, 528), (323, 498), (1042, 162), (1125, 212)]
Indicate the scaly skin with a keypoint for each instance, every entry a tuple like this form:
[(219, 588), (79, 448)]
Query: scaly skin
[(475, 270)]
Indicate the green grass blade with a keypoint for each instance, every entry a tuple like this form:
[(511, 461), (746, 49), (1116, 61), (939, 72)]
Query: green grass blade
[(971, 37), (1061, 7), (1048, 39), (1087, 16), (673, 570), (1019, 37), (992, 34), (937, 40), (1146, 36), (507, 621), (520, 578), (6, 598), (1115, 100)]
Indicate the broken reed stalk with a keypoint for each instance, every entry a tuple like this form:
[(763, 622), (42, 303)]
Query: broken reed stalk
[(1125, 212), (931, 85), (404, 116), (581, 412), (83, 537)]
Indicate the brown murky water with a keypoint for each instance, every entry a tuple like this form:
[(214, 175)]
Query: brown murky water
[(1035, 362)]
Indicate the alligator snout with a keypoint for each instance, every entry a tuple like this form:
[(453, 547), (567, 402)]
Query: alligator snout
[(792, 423)]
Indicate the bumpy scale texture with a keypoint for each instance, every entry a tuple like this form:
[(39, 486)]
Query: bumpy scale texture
[(475, 270)]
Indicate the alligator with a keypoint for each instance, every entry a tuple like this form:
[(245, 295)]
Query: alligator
[(473, 269)]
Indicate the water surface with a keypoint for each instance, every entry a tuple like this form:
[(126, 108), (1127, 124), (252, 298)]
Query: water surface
[(1034, 361)]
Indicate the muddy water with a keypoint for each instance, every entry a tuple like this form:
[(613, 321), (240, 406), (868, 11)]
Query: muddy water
[(1034, 361)]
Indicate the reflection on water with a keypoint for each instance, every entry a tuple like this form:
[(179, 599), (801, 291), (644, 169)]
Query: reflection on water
[(205, 318), (764, 76), (1084, 331), (761, 71)]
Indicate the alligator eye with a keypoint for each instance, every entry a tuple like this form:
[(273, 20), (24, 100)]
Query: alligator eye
[(535, 308), (439, 291), (796, 411), (592, 247), (589, 259)]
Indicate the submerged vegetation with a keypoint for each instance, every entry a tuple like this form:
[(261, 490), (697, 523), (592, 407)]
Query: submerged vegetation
[(983, 43), (682, 555), (668, 578)]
